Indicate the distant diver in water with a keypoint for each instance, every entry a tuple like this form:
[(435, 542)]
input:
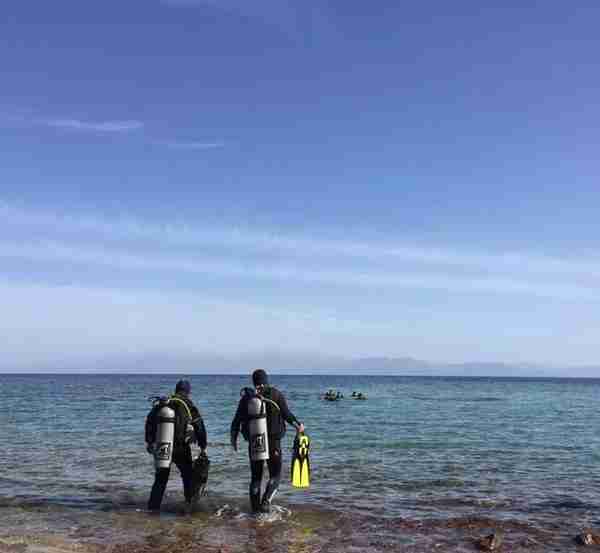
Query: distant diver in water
[(333, 395), (261, 416), (173, 423)]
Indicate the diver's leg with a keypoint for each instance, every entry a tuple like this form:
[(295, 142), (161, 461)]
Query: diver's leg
[(274, 463), (185, 465), (256, 468), (161, 478)]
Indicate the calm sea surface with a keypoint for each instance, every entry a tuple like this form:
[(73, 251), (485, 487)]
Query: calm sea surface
[(419, 449)]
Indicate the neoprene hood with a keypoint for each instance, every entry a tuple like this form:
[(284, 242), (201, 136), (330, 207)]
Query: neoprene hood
[(259, 377), (183, 386)]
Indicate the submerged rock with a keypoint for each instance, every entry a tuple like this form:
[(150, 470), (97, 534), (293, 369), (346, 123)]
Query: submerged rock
[(491, 542), (529, 543), (587, 538)]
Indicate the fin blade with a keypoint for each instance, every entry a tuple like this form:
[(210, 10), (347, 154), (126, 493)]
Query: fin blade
[(305, 474), (296, 473)]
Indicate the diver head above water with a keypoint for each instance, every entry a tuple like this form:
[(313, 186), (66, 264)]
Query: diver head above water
[(183, 388), (260, 378)]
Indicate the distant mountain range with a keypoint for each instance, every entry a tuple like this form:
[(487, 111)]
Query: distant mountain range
[(310, 364)]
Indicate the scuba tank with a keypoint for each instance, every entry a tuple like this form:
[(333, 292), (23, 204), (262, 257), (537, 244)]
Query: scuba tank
[(160, 428), (165, 433), (257, 428)]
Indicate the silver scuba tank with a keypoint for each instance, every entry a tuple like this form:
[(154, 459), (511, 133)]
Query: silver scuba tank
[(165, 432), (257, 429)]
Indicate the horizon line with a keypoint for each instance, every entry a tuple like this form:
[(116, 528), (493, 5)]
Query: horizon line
[(275, 372)]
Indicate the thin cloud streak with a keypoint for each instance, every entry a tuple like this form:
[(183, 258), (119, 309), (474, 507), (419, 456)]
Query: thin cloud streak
[(108, 127), (252, 240), (196, 304), (192, 3), (193, 145), (56, 252), (94, 126)]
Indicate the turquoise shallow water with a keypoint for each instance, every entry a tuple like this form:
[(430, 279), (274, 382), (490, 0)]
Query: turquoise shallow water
[(418, 448)]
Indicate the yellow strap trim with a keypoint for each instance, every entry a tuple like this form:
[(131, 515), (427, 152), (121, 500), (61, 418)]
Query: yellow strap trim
[(271, 402), (182, 403)]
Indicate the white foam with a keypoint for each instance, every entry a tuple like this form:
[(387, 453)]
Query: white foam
[(277, 514)]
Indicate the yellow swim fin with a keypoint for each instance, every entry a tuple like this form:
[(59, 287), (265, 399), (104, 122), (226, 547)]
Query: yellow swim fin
[(301, 462)]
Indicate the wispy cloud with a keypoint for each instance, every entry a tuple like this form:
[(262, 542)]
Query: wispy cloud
[(116, 259), (388, 290), (180, 145), (112, 126), (388, 253), (94, 126)]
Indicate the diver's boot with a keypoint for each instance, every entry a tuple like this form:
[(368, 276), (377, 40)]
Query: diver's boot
[(255, 496), (272, 487)]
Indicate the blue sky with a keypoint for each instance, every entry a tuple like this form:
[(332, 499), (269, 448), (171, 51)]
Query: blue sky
[(196, 177)]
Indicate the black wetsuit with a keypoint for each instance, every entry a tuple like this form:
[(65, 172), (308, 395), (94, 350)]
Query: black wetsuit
[(182, 452), (278, 413)]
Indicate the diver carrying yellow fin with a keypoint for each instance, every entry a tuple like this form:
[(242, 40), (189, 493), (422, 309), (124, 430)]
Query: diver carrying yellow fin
[(301, 462)]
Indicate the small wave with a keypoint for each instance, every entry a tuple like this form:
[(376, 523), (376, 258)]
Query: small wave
[(106, 503), (18, 482), (420, 485), (566, 504), (225, 509), (466, 502), (277, 514), (483, 399)]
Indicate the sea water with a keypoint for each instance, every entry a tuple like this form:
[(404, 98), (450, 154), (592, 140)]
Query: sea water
[(420, 449)]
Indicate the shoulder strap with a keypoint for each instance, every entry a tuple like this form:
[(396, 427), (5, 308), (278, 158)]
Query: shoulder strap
[(185, 405), (269, 400)]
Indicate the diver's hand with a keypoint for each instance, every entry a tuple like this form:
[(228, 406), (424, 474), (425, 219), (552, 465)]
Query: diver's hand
[(234, 443), (150, 448), (300, 428)]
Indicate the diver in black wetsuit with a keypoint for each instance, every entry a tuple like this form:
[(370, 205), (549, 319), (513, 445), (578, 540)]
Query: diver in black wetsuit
[(185, 413), (278, 413)]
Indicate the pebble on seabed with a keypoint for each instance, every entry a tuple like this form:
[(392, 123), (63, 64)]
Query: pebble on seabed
[(491, 542)]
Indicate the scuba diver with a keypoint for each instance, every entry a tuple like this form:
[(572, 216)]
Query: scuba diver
[(261, 415), (172, 424), (332, 395)]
